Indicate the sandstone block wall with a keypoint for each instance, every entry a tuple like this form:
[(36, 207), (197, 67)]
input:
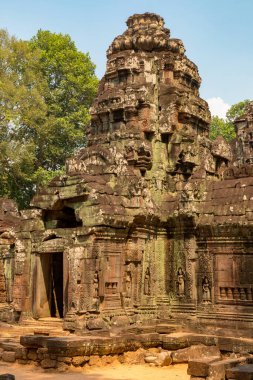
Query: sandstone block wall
[(152, 220)]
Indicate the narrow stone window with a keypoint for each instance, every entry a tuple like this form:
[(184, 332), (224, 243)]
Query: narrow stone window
[(123, 74), (165, 137), (149, 135), (118, 116)]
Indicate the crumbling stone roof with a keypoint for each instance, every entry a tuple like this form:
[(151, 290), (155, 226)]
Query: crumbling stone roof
[(148, 133)]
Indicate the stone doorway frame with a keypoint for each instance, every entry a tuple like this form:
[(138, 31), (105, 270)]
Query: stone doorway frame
[(42, 284)]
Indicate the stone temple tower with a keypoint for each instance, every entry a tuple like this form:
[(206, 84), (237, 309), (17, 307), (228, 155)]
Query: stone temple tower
[(148, 106), (109, 214), (122, 238)]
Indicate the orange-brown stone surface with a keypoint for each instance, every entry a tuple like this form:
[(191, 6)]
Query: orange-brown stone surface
[(152, 220)]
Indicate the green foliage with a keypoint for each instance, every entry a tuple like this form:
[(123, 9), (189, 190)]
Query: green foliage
[(46, 88), (236, 110), (21, 104), (225, 128), (72, 85), (221, 127)]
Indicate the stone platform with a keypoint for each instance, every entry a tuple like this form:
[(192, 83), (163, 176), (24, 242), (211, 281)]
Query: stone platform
[(49, 347)]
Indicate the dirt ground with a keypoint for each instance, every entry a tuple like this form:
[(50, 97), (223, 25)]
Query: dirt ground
[(113, 372)]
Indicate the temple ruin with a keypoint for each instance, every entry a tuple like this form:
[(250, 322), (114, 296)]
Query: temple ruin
[(152, 220)]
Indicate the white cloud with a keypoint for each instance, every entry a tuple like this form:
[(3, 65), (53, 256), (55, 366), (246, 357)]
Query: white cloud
[(218, 107)]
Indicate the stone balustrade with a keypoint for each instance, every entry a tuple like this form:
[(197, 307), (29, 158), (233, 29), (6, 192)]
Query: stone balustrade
[(236, 293)]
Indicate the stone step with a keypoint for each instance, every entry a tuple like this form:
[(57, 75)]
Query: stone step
[(188, 309), (147, 307), (167, 328), (163, 300), (91, 345), (178, 340), (43, 321), (43, 325), (226, 316), (213, 368)]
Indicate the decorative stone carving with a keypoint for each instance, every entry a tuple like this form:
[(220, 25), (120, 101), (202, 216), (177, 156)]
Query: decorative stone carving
[(147, 283), (95, 285), (151, 219), (180, 283), (206, 289), (128, 284)]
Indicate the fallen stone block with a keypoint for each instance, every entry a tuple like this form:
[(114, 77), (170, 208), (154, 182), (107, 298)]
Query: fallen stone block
[(175, 342), (8, 356), (194, 352), (164, 359), (200, 367), (10, 346), (48, 363), (242, 372), (159, 359), (218, 369), (234, 344), (150, 359)]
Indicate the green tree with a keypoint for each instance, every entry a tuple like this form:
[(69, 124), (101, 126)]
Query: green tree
[(236, 110), (221, 127), (46, 88), (225, 127), (72, 85), (21, 103)]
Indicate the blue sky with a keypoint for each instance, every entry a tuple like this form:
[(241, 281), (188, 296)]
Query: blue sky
[(217, 34)]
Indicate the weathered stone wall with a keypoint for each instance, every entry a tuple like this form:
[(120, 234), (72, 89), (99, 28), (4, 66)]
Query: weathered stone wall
[(152, 219), (9, 222)]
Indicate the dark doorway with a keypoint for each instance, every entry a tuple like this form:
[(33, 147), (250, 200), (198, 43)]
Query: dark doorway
[(56, 307), (62, 218), (49, 286)]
